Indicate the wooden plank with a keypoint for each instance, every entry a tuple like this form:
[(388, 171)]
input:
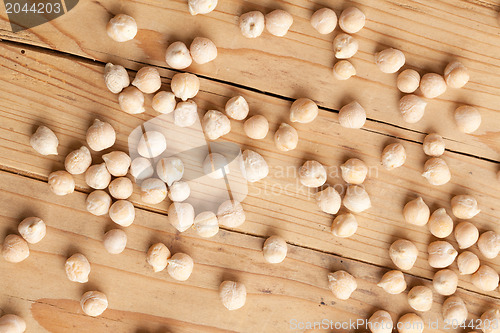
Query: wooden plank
[(73, 94), (143, 301), (430, 33)]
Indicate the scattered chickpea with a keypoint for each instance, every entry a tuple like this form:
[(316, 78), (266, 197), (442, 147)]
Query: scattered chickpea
[(186, 114), (403, 254), (356, 199), (231, 214), (151, 144), (440, 223), (78, 161), (15, 249), (466, 234), (454, 310), (485, 278), (201, 6), (390, 60), (380, 322), (97, 176), (352, 115), (286, 137), (412, 108), (11, 323), (303, 110), (215, 166), (312, 174), (131, 100), (354, 171), (441, 254), (352, 20), (206, 224), (467, 263), (147, 80), (344, 225), (77, 268), (328, 200), (141, 168), (100, 135), (432, 85), (393, 282), (179, 191), (121, 188), (416, 212), (215, 124), (445, 282), (170, 169), (185, 85), (115, 77), (237, 108), (177, 56), (343, 70), (410, 323), (61, 182), (181, 215), (32, 229), (433, 145), (489, 244), (278, 22), (180, 266), (157, 257), (115, 241), (122, 28), (94, 303), (153, 191), (203, 50), (324, 20), (345, 46), (393, 156), (98, 202), (252, 24), (456, 75), (274, 250), (436, 171), (467, 118), (44, 141), (232, 294), (408, 81), (117, 163), (420, 298), (164, 102), (490, 319), (464, 206), (255, 166), (122, 212), (342, 284)]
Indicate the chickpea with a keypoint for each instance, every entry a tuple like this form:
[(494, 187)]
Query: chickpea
[(237, 108), (186, 114), (15, 249), (344, 225), (354, 171), (94, 303), (203, 50), (441, 254), (216, 166), (380, 322), (153, 191), (141, 168), (343, 70), (454, 310), (393, 156), (467, 118), (303, 110), (98, 203), (121, 28), (342, 284), (328, 200), (179, 191), (147, 80), (312, 174), (352, 20), (408, 81), (412, 108), (180, 266), (456, 75), (232, 294), (115, 77), (181, 215), (324, 20), (157, 257), (215, 124), (464, 206), (185, 85), (97, 176), (61, 182), (433, 145), (466, 234), (436, 171), (100, 135), (164, 102), (170, 169), (390, 60), (44, 141), (252, 24), (467, 263), (117, 163), (206, 224), (432, 85), (201, 6), (445, 282), (485, 278), (32, 229), (352, 115), (11, 323), (177, 56), (440, 223), (278, 22), (77, 268), (490, 319), (489, 244), (393, 282), (416, 212), (420, 298), (131, 100), (403, 254), (286, 138), (356, 199), (121, 188), (231, 214), (122, 212), (78, 161), (274, 250), (115, 241), (345, 46), (410, 323), (151, 144), (255, 167)]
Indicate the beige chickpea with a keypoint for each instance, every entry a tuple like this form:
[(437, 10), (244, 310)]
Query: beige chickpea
[(153, 191), (157, 257), (432, 85), (97, 176), (440, 223), (303, 110), (328, 200), (117, 163), (467, 118), (202, 50), (278, 22), (179, 191), (433, 145), (181, 215), (151, 144), (445, 282), (312, 174), (180, 266), (61, 182), (456, 75), (201, 6), (489, 244), (356, 199), (170, 169), (490, 320), (98, 202), (485, 278), (343, 70), (344, 225), (237, 108), (11, 323), (436, 171), (393, 282), (467, 263), (403, 254), (186, 114), (393, 156), (122, 212), (408, 81), (147, 80), (252, 24), (231, 214), (44, 141), (100, 135), (216, 166), (206, 224), (354, 171), (352, 20), (254, 166), (121, 28), (441, 254), (464, 206), (77, 268), (416, 212), (131, 100), (466, 234), (342, 284), (185, 85), (410, 323), (94, 303), (215, 124), (345, 46), (32, 229), (164, 102), (78, 161), (420, 298), (454, 310), (115, 241), (115, 77), (390, 60), (141, 168), (352, 115), (286, 138), (380, 322), (121, 188), (232, 294), (15, 249), (177, 56), (274, 250), (412, 108), (324, 20)]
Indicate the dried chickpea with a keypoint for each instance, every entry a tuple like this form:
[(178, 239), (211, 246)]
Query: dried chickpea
[(32, 229), (115, 241), (343, 70), (44, 141), (201, 6), (485, 278), (445, 282), (232, 294), (354, 171), (380, 322), (274, 250), (344, 225), (312, 174), (151, 144), (467, 263), (215, 124), (456, 75), (94, 303), (412, 108), (179, 191), (186, 114), (122, 212), (157, 257), (433, 145), (342, 284), (286, 137), (489, 244), (177, 56), (100, 135), (121, 188), (61, 182), (408, 81), (181, 215), (115, 77), (464, 206), (15, 249), (393, 282), (78, 161), (11, 323), (278, 22), (303, 110), (432, 85), (237, 108), (467, 118), (185, 85), (254, 165), (454, 310), (141, 168), (98, 203), (121, 28), (252, 24), (131, 100), (440, 223), (97, 176), (206, 224), (441, 254), (352, 20), (410, 323), (390, 60), (117, 163), (356, 199), (466, 234), (490, 319), (77, 268), (420, 298), (328, 200), (352, 115), (416, 212), (180, 266), (436, 171), (170, 169), (164, 102), (345, 46), (203, 50), (153, 191), (231, 214), (147, 80), (324, 20), (393, 156), (403, 254)]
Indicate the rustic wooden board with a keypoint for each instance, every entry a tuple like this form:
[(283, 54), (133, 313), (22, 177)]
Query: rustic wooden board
[(431, 33)]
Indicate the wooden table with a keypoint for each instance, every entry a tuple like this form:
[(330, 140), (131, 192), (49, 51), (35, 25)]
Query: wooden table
[(52, 75)]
